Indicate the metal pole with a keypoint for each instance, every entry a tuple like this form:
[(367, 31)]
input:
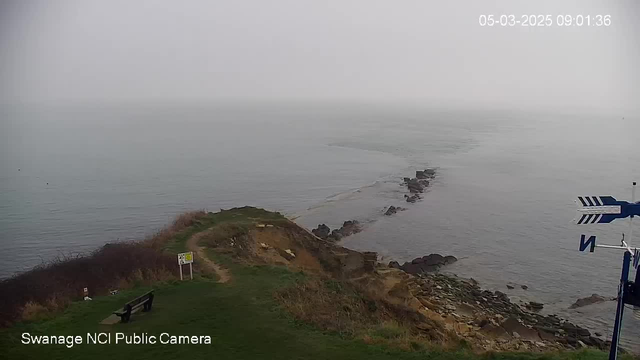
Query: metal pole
[(180, 266), (633, 200), (615, 339), (636, 309), (191, 270)]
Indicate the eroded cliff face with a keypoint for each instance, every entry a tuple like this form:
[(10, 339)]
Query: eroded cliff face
[(439, 308)]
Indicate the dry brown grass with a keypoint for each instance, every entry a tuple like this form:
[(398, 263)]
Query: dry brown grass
[(223, 234), (32, 311), (330, 305), (343, 307), (50, 287)]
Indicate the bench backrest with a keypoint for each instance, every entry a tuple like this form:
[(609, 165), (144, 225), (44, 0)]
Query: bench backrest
[(140, 299)]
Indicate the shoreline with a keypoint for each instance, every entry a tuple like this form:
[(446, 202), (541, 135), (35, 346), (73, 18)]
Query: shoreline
[(523, 318), (415, 187)]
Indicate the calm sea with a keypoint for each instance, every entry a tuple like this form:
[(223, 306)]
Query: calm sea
[(72, 179)]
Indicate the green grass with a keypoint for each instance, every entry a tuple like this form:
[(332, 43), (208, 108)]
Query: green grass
[(241, 317), (242, 217)]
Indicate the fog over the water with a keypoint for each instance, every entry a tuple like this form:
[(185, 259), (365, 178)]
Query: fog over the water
[(116, 115), (79, 51)]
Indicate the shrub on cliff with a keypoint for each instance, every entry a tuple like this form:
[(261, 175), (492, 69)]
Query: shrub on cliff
[(52, 286)]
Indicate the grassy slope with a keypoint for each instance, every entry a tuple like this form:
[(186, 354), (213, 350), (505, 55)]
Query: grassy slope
[(242, 217), (242, 318)]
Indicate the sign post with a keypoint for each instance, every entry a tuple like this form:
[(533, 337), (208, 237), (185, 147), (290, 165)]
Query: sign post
[(186, 258), (603, 210)]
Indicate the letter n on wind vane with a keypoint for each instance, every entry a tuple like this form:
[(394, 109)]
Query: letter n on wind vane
[(590, 242)]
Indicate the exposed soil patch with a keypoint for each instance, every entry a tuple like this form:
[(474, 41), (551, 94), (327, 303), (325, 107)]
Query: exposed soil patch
[(192, 244)]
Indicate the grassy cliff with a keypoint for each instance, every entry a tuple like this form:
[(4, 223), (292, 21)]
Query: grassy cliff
[(274, 306)]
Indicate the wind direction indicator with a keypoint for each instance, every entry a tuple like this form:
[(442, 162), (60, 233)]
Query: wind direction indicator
[(603, 210)]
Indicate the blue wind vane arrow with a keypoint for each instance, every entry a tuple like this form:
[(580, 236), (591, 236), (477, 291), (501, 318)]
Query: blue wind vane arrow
[(604, 209)]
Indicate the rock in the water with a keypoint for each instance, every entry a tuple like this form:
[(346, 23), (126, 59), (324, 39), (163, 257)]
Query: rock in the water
[(510, 287), (394, 264), (336, 235), (433, 259), (429, 263), (450, 259), (391, 210), (350, 227), (535, 305), (415, 186), (421, 175), (589, 300), (322, 231), (524, 287), (413, 198), (430, 172)]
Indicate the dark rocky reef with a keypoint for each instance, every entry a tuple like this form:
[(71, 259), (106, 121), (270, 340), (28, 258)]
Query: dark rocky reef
[(393, 209), (425, 264), (590, 300), (418, 184), (348, 228), (497, 318), (322, 231)]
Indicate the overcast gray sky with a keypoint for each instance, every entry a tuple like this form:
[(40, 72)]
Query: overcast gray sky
[(72, 51)]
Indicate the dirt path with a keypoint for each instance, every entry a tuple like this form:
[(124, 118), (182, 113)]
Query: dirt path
[(192, 244)]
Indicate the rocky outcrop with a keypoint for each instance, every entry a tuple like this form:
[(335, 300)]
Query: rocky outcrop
[(532, 305), (393, 209), (322, 231), (491, 321), (348, 228), (412, 199), (394, 265), (590, 300), (418, 184), (425, 264)]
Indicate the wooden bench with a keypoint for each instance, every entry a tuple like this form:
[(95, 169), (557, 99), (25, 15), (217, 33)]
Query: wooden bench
[(144, 302)]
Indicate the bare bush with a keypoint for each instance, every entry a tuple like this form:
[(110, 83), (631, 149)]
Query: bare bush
[(52, 286)]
